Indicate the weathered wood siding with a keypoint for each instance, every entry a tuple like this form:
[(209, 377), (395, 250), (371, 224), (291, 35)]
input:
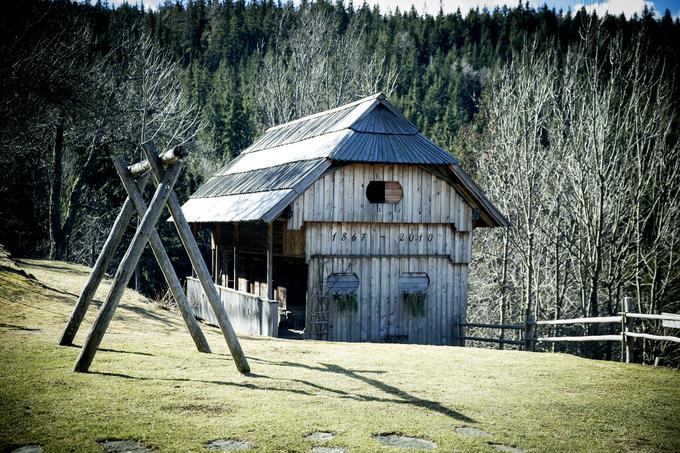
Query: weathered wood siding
[(381, 312), (249, 314), (340, 196), (429, 230)]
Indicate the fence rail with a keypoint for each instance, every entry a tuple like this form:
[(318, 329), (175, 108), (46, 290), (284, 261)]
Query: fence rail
[(626, 336), (601, 319)]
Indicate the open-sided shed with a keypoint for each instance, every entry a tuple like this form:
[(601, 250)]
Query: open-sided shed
[(348, 223)]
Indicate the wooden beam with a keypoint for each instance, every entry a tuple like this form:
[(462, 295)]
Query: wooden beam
[(494, 326), (270, 261), (649, 336), (581, 338), (495, 340), (163, 260), (650, 316), (99, 269), (198, 264), (127, 267), (593, 320), (166, 158)]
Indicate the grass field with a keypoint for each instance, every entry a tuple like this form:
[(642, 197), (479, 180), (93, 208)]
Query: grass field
[(149, 384)]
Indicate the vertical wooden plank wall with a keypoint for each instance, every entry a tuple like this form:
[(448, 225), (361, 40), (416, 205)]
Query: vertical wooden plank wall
[(381, 310), (340, 196), (429, 230)]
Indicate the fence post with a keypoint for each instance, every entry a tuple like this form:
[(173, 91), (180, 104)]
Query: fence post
[(623, 334), (629, 324), (529, 333)]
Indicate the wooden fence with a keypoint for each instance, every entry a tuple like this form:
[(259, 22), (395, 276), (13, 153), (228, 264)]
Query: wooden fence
[(248, 313), (627, 336)]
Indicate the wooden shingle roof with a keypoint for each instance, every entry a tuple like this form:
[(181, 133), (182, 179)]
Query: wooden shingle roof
[(286, 159)]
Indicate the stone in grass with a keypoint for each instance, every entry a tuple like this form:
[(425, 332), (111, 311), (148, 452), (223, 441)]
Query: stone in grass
[(320, 436), (28, 449), (471, 432), (395, 440), (227, 445), (123, 446), (328, 450), (507, 448)]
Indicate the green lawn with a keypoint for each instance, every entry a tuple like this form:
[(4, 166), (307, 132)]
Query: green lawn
[(148, 383)]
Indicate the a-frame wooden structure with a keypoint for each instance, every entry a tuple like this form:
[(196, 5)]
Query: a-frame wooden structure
[(165, 169)]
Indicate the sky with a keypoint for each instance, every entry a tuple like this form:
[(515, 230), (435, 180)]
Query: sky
[(627, 7)]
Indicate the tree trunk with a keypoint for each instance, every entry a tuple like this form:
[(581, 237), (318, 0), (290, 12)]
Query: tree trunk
[(57, 238)]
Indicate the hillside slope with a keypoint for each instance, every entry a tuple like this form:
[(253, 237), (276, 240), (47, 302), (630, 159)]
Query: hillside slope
[(149, 384)]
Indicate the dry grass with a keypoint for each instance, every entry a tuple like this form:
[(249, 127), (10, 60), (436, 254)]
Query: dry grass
[(148, 383)]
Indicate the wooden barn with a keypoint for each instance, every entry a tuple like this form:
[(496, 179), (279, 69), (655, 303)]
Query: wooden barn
[(349, 224)]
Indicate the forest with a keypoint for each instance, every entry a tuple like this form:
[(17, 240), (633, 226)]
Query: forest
[(569, 122)]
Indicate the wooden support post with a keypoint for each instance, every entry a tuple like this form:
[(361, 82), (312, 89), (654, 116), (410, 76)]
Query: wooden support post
[(629, 324), (270, 261), (126, 268), (95, 278), (235, 247), (199, 265), (163, 260), (216, 246)]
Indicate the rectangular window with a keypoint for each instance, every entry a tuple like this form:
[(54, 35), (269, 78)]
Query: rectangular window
[(413, 286), (343, 290)]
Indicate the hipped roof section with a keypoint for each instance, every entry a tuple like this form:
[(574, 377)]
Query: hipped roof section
[(288, 158)]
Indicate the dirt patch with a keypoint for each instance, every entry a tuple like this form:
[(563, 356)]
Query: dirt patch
[(320, 436), (123, 446), (471, 432), (227, 445), (507, 448), (398, 441), (28, 449)]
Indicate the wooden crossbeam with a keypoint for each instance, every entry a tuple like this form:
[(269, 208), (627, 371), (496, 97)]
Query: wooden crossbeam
[(163, 260), (198, 263), (127, 266), (103, 261)]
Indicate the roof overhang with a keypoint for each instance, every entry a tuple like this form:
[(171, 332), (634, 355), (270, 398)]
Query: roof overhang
[(489, 215)]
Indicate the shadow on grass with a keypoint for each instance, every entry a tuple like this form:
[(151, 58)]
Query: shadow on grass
[(15, 327), (203, 381), (120, 351), (51, 265), (397, 396), (401, 397)]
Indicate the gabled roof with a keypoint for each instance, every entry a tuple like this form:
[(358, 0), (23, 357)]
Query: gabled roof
[(286, 159)]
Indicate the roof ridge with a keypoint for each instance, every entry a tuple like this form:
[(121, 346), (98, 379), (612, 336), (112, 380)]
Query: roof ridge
[(339, 108)]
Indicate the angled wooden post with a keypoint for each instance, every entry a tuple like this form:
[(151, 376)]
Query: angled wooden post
[(103, 261), (163, 259), (199, 265), (126, 268)]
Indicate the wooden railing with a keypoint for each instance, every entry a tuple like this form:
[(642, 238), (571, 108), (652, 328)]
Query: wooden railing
[(626, 336), (248, 313)]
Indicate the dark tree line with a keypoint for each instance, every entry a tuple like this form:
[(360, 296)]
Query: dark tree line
[(81, 82)]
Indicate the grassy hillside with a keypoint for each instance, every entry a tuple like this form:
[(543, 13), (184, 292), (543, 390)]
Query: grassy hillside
[(149, 384)]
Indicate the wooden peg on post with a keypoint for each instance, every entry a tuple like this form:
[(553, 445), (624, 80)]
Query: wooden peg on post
[(103, 261), (163, 259), (126, 267), (199, 264)]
